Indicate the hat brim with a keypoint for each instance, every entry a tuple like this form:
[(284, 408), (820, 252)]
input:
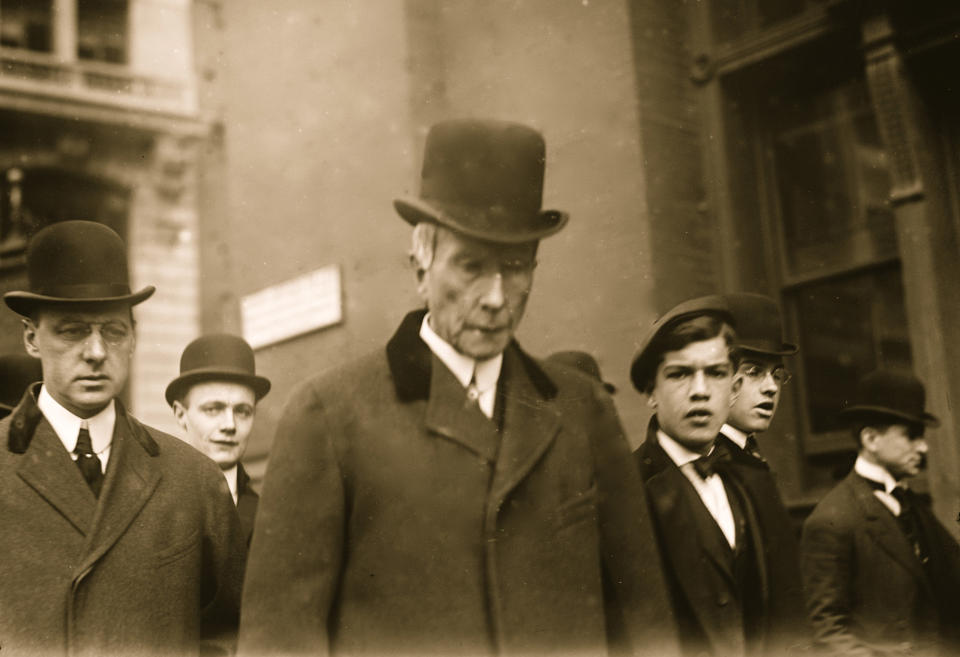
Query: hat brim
[(860, 411), (785, 349), (544, 224), (259, 384), (23, 303)]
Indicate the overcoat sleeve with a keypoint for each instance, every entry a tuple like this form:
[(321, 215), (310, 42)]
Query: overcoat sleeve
[(639, 613), (827, 565), (295, 556)]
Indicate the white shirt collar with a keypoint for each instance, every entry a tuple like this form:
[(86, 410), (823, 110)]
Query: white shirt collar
[(874, 472), (678, 453), (734, 434), (230, 474), (465, 368), (67, 425)]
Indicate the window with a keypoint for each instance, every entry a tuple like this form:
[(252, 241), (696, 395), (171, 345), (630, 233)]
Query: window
[(26, 24), (102, 30)]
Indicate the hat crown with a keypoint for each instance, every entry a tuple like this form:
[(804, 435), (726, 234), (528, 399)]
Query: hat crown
[(220, 350), (488, 165), (581, 360), (758, 323), (77, 255), (897, 391)]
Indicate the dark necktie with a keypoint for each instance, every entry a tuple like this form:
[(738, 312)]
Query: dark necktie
[(708, 465), (88, 462), (753, 449), (909, 522)]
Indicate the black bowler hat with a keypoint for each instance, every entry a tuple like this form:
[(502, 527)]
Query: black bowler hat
[(483, 178), (217, 357), (73, 262), (17, 372), (758, 324), (584, 362), (892, 395), (644, 367)]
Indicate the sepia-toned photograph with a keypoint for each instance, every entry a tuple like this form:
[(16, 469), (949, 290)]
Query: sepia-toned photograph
[(465, 328)]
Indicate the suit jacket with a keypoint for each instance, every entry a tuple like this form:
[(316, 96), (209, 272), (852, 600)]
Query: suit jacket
[(153, 567), (397, 518), (702, 585), (247, 499), (867, 593)]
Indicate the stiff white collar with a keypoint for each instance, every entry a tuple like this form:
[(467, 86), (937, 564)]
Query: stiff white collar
[(734, 434), (874, 472), (484, 373), (67, 425), (678, 453)]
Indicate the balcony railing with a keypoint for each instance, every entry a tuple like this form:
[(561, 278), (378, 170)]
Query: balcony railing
[(93, 82)]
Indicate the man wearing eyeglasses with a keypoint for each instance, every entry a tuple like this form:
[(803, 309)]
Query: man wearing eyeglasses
[(117, 539)]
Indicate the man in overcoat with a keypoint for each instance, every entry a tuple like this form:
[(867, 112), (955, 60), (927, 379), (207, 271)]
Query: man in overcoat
[(451, 494), (731, 593), (214, 400), (882, 575), (117, 539)]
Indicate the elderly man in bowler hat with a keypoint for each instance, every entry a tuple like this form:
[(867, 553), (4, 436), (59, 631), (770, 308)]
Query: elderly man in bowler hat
[(882, 575), (731, 589), (17, 372), (214, 401), (117, 539), (451, 494)]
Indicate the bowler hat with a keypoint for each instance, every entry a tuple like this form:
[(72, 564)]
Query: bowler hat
[(73, 262), (483, 178), (889, 394), (643, 369), (217, 357), (584, 362), (17, 372), (758, 324)]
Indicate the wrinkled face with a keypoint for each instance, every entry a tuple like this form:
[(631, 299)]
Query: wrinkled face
[(756, 392), (898, 450), (476, 291), (691, 392), (216, 418), (85, 354)]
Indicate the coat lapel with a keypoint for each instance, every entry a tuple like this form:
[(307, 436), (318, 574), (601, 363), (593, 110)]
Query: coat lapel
[(530, 424), (452, 415), (49, 470), (131, 479)]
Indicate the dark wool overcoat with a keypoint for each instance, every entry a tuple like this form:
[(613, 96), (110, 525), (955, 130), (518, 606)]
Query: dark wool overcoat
[(867, 592), (397, 519), (153, 567), (709, 615)]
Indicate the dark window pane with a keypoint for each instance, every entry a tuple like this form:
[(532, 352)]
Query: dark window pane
[(26, 24), (771, 12), (102, 30), (848, 327)]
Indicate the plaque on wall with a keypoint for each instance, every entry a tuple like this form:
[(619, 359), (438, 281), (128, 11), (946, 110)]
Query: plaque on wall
[(292, 308)]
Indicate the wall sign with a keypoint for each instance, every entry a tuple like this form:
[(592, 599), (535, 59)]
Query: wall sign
[(292, 308)]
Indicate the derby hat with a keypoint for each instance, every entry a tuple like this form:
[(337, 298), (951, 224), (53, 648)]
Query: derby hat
[(889, 394), (75, 262), (584, 362), (217, 357), (758, 324), (484, 179), (644, 366), (17, 372)]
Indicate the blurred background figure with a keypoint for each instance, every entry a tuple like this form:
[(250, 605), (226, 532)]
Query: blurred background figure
[(215, 402), (17, 372), (581, 360)]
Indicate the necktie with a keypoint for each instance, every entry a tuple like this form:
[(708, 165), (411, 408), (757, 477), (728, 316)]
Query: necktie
[(88, 462), (708, 465), (752, 448), (909, 522)]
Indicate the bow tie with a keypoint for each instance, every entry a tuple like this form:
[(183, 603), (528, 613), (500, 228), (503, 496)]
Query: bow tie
[(708, 465)]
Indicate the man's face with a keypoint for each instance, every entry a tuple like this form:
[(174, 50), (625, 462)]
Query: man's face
[(85, 354), (476, 291), (896, 449), (756, 392), (216, 418), (691, 393)]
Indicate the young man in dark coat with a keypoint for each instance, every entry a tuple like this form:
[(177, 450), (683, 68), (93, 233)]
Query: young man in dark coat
[(882, 575), (730, 592), (117, 539), (450, 494), (215, 402)]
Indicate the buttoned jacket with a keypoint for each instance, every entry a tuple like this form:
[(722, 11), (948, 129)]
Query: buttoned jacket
[(154, 567), (397, 518)]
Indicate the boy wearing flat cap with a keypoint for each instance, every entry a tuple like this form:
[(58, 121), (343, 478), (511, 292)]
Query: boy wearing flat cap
[(117, 539), (214, 401), (450, 494), (727, 586), (881, 574)]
